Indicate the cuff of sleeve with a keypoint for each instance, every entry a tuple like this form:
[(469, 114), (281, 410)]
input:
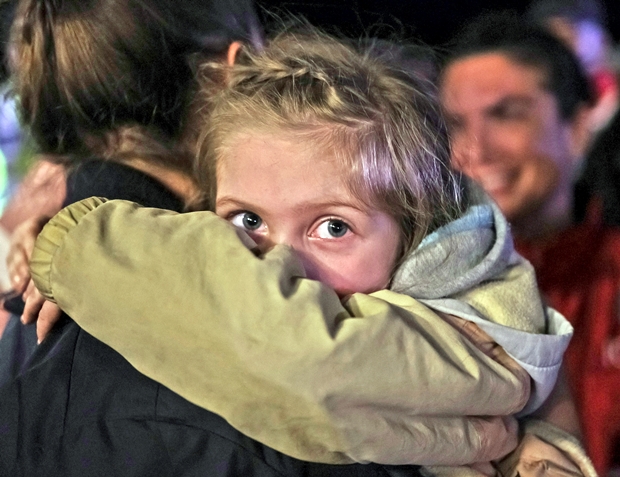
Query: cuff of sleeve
[(51, 238)]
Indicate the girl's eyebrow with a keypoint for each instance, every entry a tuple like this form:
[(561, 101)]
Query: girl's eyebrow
[(226, 200), (358, 206)]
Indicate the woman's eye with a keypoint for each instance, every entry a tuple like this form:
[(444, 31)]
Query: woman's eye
[(248, 221), (510, 112), (333, 228)]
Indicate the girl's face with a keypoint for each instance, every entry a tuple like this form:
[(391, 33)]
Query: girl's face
[(285, 191)]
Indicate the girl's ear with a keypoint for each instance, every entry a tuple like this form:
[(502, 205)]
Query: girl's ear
[(231, 54)]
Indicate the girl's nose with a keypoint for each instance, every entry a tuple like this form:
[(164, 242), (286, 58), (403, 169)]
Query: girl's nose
[(300, 248)]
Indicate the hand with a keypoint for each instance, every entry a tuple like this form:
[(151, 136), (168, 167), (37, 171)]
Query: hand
[(37, 308), (20, 251), (537, 458)]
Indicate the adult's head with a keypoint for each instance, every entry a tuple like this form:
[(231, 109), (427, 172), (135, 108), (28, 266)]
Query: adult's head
[(580, 24), (517, 104), (320, 146), (114, 75)]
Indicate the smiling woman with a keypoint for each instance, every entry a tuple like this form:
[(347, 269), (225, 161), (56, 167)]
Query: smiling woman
[(518, 105), (507, 134)]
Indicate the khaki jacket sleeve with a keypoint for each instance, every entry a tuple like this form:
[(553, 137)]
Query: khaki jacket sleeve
[(381, 378)]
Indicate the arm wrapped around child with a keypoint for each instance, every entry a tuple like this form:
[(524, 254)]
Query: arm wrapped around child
[(383, 315), (383, 378)]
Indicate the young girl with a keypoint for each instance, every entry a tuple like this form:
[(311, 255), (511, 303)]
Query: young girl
[(363, 321)]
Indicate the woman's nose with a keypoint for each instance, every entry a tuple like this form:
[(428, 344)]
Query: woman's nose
[(469, 149)]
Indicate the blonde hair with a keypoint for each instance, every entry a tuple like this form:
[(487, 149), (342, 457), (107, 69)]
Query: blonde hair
[(383, 123)]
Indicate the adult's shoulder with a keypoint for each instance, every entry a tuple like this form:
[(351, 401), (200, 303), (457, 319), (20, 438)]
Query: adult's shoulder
[(114, 180)]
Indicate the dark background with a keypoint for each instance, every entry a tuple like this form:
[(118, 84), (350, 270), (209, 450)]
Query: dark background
[(431, 21)]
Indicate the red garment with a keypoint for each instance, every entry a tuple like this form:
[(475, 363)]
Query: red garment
[(604, 82), (578, 272)]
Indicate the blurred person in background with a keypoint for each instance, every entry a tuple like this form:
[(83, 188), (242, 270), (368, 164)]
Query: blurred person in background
[(30, 186), (9, 127), (9, 140), (582, 26), (518, 104)]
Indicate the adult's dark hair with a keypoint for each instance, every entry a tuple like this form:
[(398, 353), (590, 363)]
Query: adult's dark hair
[(531, 46), (85, 68)]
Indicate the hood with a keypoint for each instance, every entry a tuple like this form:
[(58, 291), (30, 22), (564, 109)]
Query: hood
[(460, 255)]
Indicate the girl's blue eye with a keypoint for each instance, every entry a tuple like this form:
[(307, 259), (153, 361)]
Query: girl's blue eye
[(333, 228), (247, 221)]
